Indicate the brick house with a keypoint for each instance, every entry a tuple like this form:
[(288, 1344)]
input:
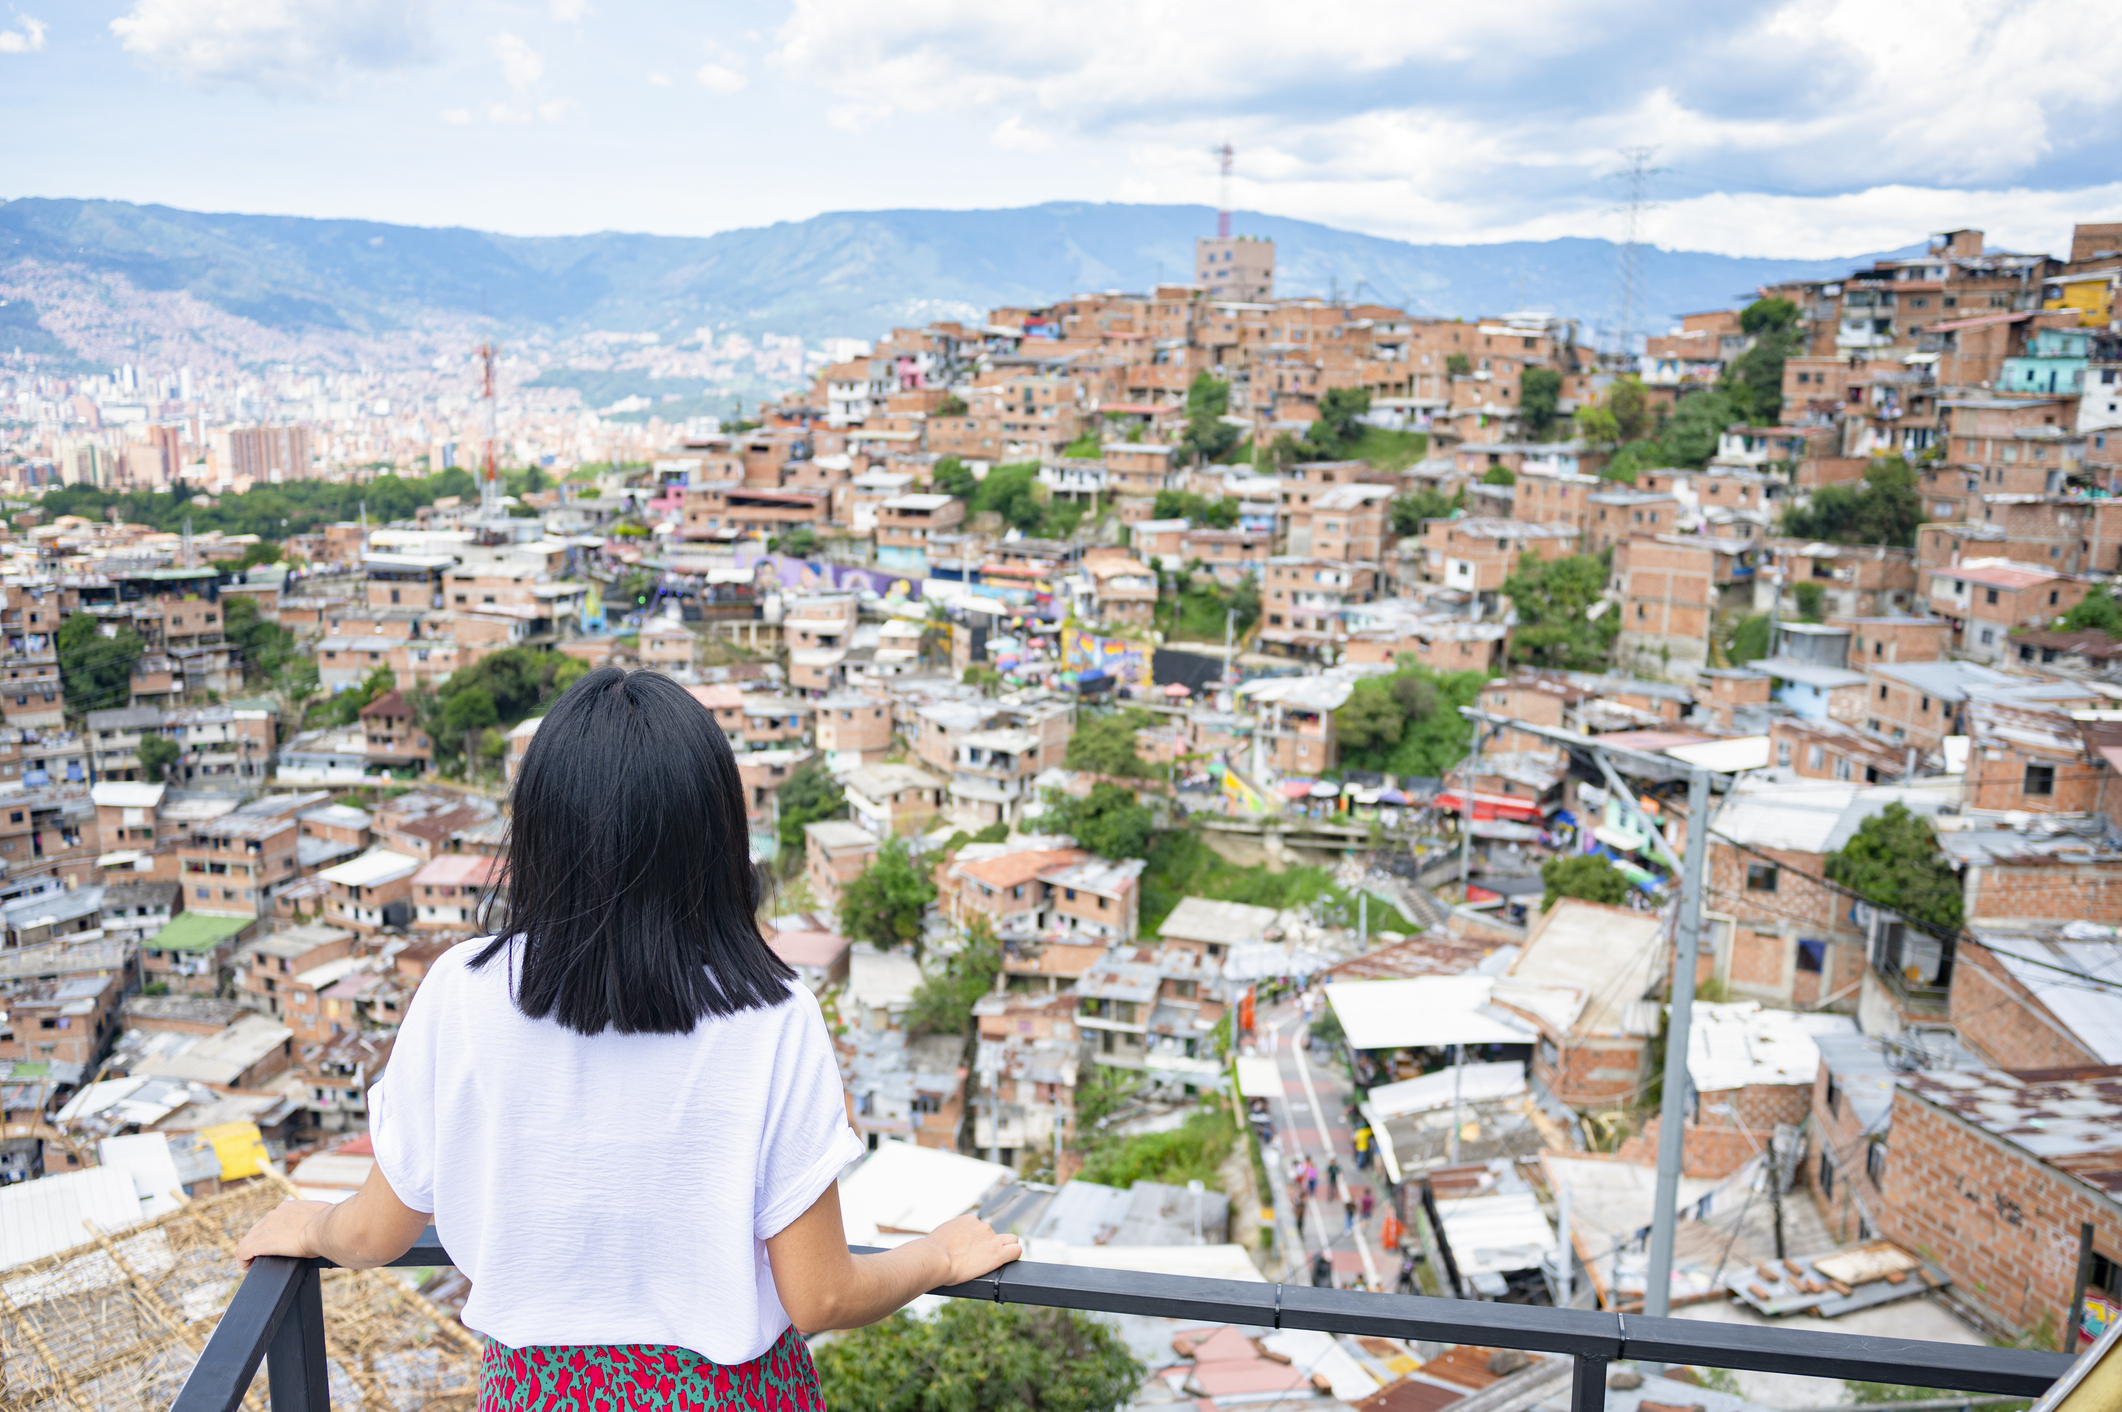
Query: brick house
[(1002, 882), (907, 525), (1668, 601), (1991, 1175), (2030, 757), (1985, 599), (1622, 512), (835, 853), (852, 729), (1829, 750), (1580, 979), (266, 965), (1477, 555), (893, 800), (394, 738), (447, 892), (1303, 601), (190, 954), (1918, 704), (67, 1020), (1894, 639), (372, 892), (1095, 898)]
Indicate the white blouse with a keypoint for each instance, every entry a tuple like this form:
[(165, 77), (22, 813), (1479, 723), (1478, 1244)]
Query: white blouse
[(609, 1189)]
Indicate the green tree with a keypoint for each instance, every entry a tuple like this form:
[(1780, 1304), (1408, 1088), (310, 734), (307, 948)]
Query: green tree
[(1893, 861), (1539, 398), (806, 796), (96, 667), (345, 706), (1584, 875), (1219, 513), (1012, 492), (1193, 1152), (1886, 509), (1409, 720), (1370, 719), (266, 646), (2097, 611), (1104, 744), (951, 476), (1087, 447), (1754, 381), (471, 709), (1597, 425), (975, 1356), (884, 906), (1554, 599), (1633, 458), (1424, 503), (952, 405), (157, 754), (1110, 821), (1458, 365), (943, 1002), (1339, 427), (799, 543), (1208, 439), (1630, 408), (1812, 601), (1750, 642), (1689, 438), (1499, 475)]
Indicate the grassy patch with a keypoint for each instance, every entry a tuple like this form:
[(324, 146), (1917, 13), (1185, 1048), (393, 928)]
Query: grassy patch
[(1390, 450), (1195, 1151), (1181, 865)]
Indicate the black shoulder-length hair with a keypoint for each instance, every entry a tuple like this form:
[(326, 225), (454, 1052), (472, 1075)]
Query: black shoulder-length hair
[(629, 875)]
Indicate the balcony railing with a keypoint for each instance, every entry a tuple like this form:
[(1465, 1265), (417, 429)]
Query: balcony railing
[(277, 1315)]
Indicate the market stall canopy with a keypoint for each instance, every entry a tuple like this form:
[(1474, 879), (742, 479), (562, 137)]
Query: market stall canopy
[(1467, 1083), (1304, 693), (1259, 960), (1422, 1011), (1746, 752)]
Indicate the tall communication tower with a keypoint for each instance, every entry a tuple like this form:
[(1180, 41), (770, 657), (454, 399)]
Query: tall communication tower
[(1638, 172), (489, 475), (1223, 155)]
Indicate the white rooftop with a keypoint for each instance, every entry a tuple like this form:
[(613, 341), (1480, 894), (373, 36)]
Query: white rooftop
[(371, 869), (1735, 1045), (901, 1187), (1426, 1010)]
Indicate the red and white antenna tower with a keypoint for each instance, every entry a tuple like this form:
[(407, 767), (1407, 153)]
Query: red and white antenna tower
[(1223, 155), (489, 476)]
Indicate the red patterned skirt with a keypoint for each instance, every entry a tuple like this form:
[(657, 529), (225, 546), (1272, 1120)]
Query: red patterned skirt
[(639, 1377)]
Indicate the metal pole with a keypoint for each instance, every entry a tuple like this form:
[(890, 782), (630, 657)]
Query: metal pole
[(1466, 823), (1458, 1076), (294, 1362), (1587, 1388), (1565, 1250), (1658, 1287), (2077, 1295), (1363, 919)]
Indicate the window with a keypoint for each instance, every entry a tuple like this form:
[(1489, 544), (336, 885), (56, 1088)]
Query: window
[(1815, 758), (1834, 1096), (2040, 779), (1875, 1162), (1827, 1175), (1989, 595), (1812, 956), (1761, 877), (1783, 753)]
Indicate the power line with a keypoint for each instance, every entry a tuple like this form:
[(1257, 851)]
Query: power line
[(1628, 276)]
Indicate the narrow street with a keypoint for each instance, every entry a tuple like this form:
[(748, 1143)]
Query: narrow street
[(1312, 1122)]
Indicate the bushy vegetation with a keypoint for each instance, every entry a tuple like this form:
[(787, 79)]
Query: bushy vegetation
[(1426, 503), (1195, 611), (1583, 875), (95, 671), (806, 796), (943, 1002), (884, 905), (1110, 822), (1104, 744), (1181, 865), (1754, 380), (1208, 439), (1885, 509), (1192, 1152), (1894, 860), (474, 706), (979, 1357), (269, 511), (1335, 435), (1408, 722), (1220, 513), (1556, 625), (2098, 611), (1014, 493)]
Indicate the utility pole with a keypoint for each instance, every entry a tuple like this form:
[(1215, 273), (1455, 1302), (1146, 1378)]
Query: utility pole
[(1223, 155), (1658, 1280)]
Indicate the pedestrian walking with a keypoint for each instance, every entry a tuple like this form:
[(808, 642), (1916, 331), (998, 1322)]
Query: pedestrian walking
[(1311, 1177), (1333, 1173), (1348, 1215), (1363, 1153), (1365, 1202)]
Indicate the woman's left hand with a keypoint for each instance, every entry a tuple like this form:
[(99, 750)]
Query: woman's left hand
[(287, 1229)]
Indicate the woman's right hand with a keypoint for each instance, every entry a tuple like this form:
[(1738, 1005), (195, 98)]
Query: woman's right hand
[(974, 1248)]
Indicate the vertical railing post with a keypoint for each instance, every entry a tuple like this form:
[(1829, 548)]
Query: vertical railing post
[(294, 1364), (1587, 1390)]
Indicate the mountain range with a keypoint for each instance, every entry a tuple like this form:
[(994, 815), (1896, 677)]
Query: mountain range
[(852, 274)]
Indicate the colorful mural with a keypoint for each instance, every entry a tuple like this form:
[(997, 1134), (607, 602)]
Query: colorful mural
[(1125, 661)]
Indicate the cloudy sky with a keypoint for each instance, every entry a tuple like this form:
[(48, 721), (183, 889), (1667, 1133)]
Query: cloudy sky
[(1806, 128)]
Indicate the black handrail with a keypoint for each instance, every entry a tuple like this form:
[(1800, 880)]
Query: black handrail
[(277, 1314)]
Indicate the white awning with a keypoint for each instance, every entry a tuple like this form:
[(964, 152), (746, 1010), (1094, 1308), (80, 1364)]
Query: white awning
[(1427, 1010), (1259, 1077)]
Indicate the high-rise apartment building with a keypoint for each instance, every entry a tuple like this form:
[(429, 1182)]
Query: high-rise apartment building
[(1236, 267)]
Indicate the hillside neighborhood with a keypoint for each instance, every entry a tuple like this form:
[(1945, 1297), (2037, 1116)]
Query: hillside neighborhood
[(1222, 762)]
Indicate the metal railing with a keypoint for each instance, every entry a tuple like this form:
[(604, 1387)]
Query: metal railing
[(277, 1315)]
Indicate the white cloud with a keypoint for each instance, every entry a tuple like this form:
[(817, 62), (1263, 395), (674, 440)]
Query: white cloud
[(720, 78), (1462, 122), (659, 80), (279, 46), (27, 39), (507, 113), (556, 110), (520, 64), (458, 116), (567, 11), (1011, 135)]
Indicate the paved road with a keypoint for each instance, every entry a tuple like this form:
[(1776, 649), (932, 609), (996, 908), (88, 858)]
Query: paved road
[(1311, 1122)]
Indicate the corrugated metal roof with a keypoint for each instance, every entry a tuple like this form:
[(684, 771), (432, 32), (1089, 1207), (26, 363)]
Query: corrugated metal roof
[(2072, 1124)]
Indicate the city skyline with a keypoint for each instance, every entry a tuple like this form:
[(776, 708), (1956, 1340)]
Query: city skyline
[(1802, 129)]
